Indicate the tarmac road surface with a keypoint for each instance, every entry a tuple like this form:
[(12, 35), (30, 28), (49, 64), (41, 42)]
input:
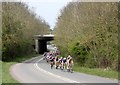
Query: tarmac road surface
[(37, 70)]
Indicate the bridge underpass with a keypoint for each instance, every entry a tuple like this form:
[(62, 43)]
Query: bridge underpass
[(41, 42)]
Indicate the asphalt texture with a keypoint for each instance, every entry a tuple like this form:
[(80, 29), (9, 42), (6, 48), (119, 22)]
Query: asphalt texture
[(37, 70)]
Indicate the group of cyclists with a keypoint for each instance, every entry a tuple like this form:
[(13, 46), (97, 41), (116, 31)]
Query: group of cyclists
[(53, 57)]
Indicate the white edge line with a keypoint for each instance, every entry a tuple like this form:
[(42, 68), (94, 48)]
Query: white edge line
[(57, 76)]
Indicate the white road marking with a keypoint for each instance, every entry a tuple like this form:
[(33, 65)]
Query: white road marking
[(57, 76)]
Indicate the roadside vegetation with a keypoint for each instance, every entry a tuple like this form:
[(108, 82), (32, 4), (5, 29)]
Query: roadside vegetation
[(97, 72), (0, 72), (19, 25), (90, 35)]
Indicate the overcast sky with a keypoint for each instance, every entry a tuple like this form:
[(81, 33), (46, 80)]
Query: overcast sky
[(48, 9)]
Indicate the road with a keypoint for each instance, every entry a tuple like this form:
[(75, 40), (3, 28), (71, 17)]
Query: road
[(36, 70)]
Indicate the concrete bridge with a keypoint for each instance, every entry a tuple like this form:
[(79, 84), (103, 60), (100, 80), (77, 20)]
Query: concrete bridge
[(41, 42)]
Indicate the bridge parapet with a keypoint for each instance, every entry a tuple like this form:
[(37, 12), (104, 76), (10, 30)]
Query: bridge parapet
[(45, 37)]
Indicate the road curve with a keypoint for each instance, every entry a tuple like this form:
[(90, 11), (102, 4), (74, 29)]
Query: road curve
[(37, 70)]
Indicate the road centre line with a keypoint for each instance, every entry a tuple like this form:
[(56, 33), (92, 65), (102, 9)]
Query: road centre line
[(57, 76)]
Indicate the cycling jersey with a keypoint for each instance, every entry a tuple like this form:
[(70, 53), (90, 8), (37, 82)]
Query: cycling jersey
[(64, 60)]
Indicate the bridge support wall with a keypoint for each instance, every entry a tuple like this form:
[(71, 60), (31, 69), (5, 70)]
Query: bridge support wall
[(42, 46)]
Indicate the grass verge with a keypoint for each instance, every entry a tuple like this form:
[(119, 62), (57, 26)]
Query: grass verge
[(6, 77), (0, 72), (96, 71)]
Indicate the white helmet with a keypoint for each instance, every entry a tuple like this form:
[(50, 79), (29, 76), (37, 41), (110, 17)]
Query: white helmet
[(65, 58), (68, 57)]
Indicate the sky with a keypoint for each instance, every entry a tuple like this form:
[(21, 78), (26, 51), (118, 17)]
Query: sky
[(48, 9)]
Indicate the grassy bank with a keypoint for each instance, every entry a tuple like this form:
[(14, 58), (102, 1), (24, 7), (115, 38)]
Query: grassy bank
[(0, 72), (96, 71), (6, 77)]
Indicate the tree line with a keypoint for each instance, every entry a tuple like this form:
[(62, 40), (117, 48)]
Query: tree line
[(89, 32), (19, 25)]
